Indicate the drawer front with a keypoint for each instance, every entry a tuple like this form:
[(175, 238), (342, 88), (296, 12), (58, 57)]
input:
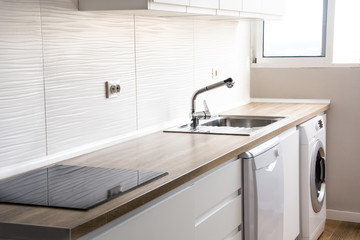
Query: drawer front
[(172, 218), (221, 223), (217, 186)]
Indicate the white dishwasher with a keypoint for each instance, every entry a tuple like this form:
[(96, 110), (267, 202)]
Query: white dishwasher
[(263, 192)]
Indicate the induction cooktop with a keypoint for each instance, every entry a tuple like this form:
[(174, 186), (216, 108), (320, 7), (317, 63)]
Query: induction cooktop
[(76, 187)]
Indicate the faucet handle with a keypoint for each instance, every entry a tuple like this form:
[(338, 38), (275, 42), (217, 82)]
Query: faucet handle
[(207, 111)]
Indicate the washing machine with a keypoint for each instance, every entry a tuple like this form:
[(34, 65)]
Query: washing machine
[(312, 177)]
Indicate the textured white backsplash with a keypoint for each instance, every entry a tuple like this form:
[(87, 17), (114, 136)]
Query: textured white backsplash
[(54, 61), (225, 46), (164, 69), (82, 50), (22, 115)]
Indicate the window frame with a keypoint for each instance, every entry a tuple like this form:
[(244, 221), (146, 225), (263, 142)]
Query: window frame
[(257, 59)]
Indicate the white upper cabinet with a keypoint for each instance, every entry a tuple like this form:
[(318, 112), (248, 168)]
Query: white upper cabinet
[(176, 2), (276, 7), (254, 6), (234, 5), (273, 7), (205, 3), (235, 8)]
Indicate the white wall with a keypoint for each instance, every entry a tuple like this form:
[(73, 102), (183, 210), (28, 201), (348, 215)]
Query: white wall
[(22, 116), (342, 86), (54, 61)]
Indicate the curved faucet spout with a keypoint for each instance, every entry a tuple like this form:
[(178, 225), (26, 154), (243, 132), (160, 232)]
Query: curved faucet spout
[(196, 116), (229, 82)]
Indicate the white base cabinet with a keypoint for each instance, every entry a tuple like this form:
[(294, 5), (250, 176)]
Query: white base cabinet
[(168, 219), (222, 223), (218, 203), (289, 147), (208, 208)]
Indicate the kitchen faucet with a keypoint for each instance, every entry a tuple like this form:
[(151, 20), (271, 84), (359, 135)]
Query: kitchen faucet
[(195, 116)]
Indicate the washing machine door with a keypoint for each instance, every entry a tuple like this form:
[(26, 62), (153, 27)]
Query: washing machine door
[(317, 176)]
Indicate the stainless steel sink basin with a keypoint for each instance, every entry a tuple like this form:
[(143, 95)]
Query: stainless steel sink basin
[(246, 122), (226, 124)]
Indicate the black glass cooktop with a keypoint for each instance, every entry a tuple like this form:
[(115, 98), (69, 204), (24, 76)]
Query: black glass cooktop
[(75, 187)]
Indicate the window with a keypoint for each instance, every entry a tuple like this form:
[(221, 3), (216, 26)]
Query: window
[(313, 33), (347, 31), (301, 33)]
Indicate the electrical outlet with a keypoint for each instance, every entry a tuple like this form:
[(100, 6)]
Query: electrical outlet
[(214, 73), (112, 89)]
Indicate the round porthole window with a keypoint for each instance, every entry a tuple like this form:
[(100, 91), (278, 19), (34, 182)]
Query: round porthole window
[(317, 176)]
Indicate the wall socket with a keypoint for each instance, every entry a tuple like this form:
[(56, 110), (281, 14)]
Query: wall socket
[(214, 73), (112, 89)]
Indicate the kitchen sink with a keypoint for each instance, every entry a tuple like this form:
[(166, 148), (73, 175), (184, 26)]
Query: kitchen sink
[(245, 122), (229, 124)]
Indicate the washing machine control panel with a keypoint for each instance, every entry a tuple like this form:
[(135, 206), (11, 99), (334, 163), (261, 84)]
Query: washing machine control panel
[(311, 128), (319, 125)]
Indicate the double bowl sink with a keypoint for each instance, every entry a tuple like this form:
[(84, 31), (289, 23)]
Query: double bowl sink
[(229, 124)]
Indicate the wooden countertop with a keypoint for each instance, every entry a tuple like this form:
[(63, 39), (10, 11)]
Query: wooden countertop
[(183, 156)]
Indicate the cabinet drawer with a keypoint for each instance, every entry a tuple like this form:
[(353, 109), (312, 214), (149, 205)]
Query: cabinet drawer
[(172, 218), (222, 223), (217, 186)]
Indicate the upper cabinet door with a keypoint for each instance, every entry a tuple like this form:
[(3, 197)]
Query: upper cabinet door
[(235, 5), (176, 2), (205, 3), (253, 6), (276, 7)]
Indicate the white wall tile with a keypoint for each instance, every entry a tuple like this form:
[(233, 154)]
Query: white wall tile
[(224, 45), (83, 50), (57, 59), (164, 69), (22, 118)]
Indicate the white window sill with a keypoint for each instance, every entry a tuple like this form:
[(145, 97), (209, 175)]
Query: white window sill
[(304, 65)]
